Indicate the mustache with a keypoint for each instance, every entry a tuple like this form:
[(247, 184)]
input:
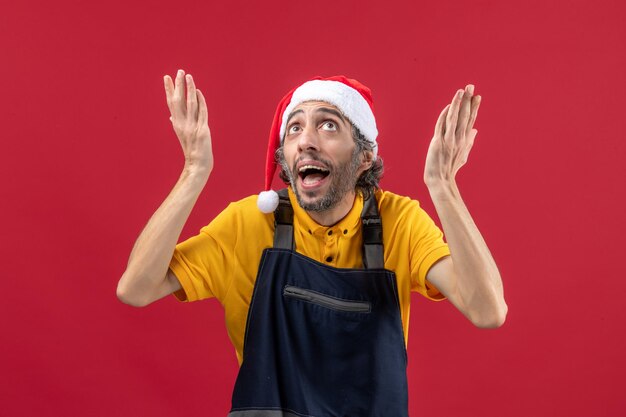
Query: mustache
[(311, 157)]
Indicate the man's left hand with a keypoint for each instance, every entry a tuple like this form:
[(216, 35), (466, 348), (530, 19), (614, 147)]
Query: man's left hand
[(453, 139), (469, 277)]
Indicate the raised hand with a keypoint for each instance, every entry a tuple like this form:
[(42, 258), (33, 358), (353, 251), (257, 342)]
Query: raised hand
[(453, 139), (189, 118)]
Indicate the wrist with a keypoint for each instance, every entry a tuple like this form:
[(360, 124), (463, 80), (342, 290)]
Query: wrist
[(198, 168), (442, 189), (195, 174)]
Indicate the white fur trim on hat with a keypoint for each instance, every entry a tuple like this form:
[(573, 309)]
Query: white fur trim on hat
[(348, 100)]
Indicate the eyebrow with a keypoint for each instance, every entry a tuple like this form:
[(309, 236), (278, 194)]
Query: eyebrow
[(320, 110), (331, 111), (293, 113)]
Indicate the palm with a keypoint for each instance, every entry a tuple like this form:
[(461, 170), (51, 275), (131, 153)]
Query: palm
[(453, 138), (189, 118)]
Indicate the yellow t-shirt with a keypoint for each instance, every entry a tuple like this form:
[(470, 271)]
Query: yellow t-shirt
[(223, 259)]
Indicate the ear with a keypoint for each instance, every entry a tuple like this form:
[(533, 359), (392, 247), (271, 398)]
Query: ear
[(368, 160)]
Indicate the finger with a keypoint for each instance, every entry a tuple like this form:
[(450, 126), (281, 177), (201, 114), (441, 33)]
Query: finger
[(453, 113), (203, 115), (475, 105), (192, 99), (468, 147), (169, 91), (470, 141), (465, 110), (472, 136), (440, 125), (178, 99)]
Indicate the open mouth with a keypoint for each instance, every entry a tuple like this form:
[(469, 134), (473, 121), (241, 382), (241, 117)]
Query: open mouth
[(312, 175)]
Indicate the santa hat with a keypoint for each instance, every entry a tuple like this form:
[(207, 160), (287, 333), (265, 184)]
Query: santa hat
[(351, 97)]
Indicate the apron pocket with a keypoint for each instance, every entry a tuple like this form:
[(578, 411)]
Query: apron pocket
[(327, 301)]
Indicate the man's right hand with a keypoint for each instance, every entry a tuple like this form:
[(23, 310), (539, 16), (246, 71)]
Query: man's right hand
[(189, 118), (147, 277)]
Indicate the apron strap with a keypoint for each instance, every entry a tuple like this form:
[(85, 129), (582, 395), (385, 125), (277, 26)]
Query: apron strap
[(373, 257), (283, 222)]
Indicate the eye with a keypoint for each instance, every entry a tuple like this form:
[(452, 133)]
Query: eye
[(293, 129), (328, 125)]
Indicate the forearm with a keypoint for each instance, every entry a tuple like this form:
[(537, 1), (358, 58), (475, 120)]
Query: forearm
[(477, 280), (149, 260)]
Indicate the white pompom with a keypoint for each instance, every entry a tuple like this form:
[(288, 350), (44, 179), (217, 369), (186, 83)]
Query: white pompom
[(267, 201)]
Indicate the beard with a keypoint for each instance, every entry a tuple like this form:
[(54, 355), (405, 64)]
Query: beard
[(343, 180)]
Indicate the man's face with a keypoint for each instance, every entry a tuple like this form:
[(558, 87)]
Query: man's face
[(320, 156)]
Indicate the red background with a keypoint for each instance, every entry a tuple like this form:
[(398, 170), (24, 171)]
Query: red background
[(88, 155)]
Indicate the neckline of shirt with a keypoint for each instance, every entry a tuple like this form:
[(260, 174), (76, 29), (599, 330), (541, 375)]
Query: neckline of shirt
[(346, 227)]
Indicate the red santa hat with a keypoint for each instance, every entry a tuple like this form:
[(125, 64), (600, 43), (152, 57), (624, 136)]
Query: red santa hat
[(351, 97)]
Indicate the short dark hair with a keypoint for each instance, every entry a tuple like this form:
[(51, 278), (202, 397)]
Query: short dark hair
[(367, 183)]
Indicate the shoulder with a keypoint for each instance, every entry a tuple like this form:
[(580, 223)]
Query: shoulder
[(246, 204), (242, 213), (397, 211), (391, 204)]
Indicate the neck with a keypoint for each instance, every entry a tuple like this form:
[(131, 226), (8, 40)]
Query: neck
[(334, 215)]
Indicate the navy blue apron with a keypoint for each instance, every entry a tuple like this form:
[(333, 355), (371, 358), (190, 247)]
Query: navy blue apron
[(322, 341)]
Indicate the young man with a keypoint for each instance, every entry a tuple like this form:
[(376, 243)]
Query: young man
[(316, 284)]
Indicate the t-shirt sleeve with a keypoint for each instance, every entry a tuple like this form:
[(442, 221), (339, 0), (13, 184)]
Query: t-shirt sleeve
[(203, 264), (427, 248)]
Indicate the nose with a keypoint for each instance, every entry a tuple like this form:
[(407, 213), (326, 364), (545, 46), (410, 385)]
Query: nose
[(308, 139)]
